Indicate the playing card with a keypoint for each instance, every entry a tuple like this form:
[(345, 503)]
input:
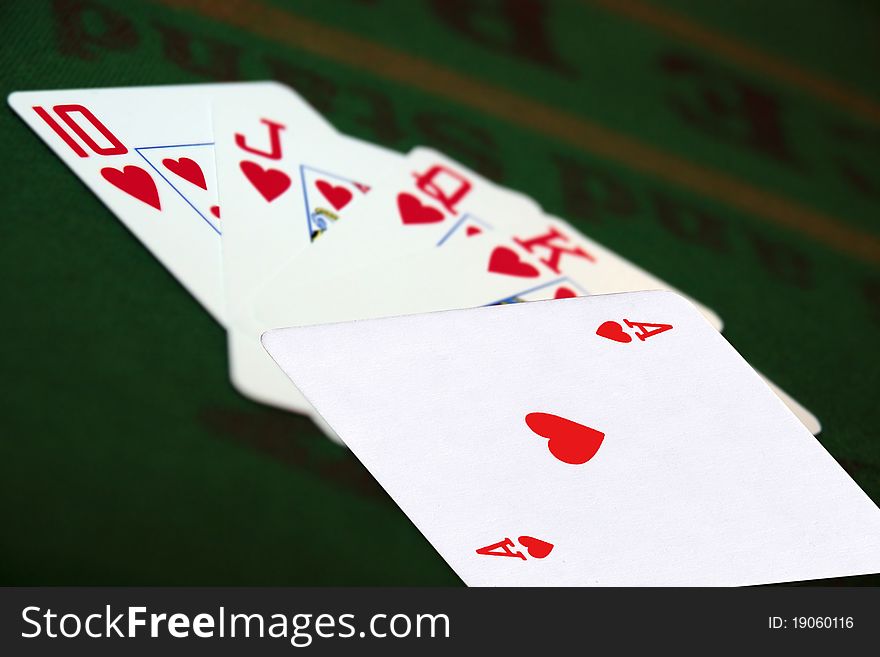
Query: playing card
[(607, 440), (493, 243), (466, 274), (430, 193), (552, 261), (407, 211), (147, 153), (553, 246), (285, 180), (327, 205), (593, 269)]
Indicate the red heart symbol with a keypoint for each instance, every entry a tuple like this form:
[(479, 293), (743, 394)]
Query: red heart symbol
[(471, 231), (338, 196), (215, 210), (187, 169), (569, 441), (413, 211), (564, 293), (613, 331), (506, 261), (135, 181), (271, 183), (535, 546)]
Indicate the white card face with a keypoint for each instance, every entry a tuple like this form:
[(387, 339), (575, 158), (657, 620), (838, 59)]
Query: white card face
[(555, 247), (147, 153), (483, 268), (592, 269), (332, 211), (286, 181), (457, 276), (609, 440), (468, 262), (407, 211), (422, 200)]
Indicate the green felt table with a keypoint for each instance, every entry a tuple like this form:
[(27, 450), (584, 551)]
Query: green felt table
[(731, 148)]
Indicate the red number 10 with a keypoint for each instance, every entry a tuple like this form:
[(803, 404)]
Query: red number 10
[(64, 112)]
